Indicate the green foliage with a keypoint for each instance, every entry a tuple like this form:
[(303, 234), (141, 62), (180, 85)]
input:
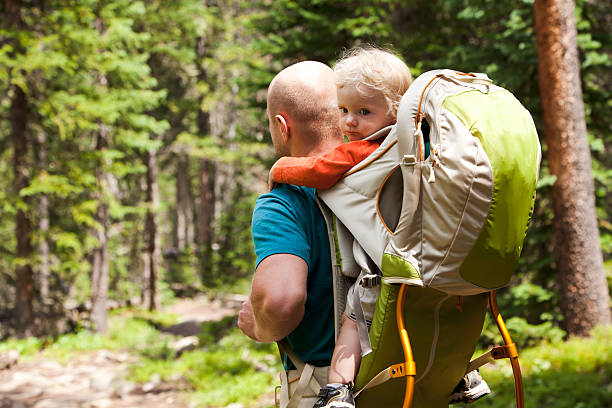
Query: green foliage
[(127, 330), (237, 255), (531, 317), (576, 373), (212, 332), (25, 347), (289, 31), (186, 80), (595, 45)]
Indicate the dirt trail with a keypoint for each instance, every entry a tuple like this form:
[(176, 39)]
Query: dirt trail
[(98, 379)]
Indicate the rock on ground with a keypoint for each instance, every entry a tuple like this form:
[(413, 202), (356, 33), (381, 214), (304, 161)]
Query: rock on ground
[(92, 380)]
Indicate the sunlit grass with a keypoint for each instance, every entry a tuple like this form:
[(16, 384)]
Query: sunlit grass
[(26, 347), (128, 330)]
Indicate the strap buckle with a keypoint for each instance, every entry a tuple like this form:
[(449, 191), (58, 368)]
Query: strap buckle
[(402, 369), (370, 280), (507, 351)]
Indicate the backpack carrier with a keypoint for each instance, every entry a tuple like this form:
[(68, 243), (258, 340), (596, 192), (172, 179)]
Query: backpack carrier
[(445, 231)]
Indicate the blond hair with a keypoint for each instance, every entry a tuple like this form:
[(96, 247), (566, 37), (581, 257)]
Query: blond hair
[(374, 69)]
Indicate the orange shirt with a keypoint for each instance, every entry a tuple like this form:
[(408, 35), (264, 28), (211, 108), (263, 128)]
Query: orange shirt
[(323, 171)]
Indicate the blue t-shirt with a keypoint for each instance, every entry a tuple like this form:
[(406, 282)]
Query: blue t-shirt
[(287, 220)]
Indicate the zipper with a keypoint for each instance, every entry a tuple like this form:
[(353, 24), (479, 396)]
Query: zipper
[(435, 160)]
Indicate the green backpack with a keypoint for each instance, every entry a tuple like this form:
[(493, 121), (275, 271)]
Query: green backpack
[(447, 228)]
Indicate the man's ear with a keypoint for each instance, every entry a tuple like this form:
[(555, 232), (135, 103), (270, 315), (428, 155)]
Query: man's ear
[(284, 127)]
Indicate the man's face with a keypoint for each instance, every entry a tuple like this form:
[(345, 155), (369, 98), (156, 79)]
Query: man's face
[(277, 138)]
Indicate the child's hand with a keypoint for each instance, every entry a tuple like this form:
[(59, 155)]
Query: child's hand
[(271, 182)]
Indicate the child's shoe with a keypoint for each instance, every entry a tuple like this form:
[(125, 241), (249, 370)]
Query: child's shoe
[(335, 396), (471, 387)]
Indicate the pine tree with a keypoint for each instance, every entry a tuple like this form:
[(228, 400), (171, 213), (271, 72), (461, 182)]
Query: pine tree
[(585, 300)]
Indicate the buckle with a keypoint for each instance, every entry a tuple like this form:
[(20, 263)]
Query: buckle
[(277, 396), (370, 280)]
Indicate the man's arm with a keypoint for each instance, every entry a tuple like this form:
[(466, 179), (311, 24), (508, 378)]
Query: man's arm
[(321, 171), (276, 304)]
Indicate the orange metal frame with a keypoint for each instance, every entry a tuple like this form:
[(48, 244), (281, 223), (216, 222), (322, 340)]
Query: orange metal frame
[(409, 358), (516, 368), (399, 314)]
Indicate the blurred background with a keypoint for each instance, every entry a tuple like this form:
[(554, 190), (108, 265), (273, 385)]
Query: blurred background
[(134, 142)]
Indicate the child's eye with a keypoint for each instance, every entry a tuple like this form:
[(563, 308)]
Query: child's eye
[(364, 112), (343, 109)]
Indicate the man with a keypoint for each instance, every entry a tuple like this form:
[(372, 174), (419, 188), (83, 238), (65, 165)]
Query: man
[(291, 295)]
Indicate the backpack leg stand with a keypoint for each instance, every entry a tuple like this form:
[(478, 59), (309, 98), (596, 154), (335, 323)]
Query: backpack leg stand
[(499, 352), (507, 351), (410, 365)]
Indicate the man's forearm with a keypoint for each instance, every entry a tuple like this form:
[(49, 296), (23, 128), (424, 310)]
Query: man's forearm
[(265, 326), (275, 322)]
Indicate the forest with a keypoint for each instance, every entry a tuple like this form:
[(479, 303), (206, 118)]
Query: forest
[(134, 142)]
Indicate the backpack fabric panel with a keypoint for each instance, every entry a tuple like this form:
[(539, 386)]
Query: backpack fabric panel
[(509, 138), (442, 338)]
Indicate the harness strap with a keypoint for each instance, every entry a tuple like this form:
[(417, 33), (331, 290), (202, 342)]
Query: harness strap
[(362, 327), (306, 380), (496, 353), (368, 279), (394, 371), (285, 348), (307, 375)]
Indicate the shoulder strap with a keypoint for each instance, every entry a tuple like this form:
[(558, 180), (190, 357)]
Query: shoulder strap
[(379, 133), (285, 348)]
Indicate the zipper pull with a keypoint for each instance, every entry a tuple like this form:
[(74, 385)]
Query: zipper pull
[(434, 160), (418, 134), (432, 174)]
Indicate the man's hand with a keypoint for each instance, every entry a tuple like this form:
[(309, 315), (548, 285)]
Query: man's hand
[(246, 320)]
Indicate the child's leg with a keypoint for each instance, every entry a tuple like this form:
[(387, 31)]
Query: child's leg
[(347, 354)]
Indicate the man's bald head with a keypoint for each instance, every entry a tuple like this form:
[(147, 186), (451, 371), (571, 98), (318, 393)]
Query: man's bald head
[(305, 95)]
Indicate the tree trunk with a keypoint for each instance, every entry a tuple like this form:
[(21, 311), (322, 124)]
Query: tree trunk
[(99, 276), (584, 294), (205, 208), (183, 236), (206, 205), (224, 176), (24, 309), (206, 199), (152, 232), (43, 225), (24, 282)]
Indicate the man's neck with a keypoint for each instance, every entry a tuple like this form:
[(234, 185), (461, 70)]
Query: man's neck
[(317, 150)]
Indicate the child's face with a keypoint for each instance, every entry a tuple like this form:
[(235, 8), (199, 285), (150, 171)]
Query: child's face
[(362, 113)]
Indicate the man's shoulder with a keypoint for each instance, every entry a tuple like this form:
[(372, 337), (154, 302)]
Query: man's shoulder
[(287, 195), (283, 222)]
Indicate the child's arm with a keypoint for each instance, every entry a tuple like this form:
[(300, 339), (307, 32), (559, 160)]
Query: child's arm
[(321, 171)]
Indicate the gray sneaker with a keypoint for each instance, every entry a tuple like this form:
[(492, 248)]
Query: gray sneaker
[(471, 388), (335, 396)]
